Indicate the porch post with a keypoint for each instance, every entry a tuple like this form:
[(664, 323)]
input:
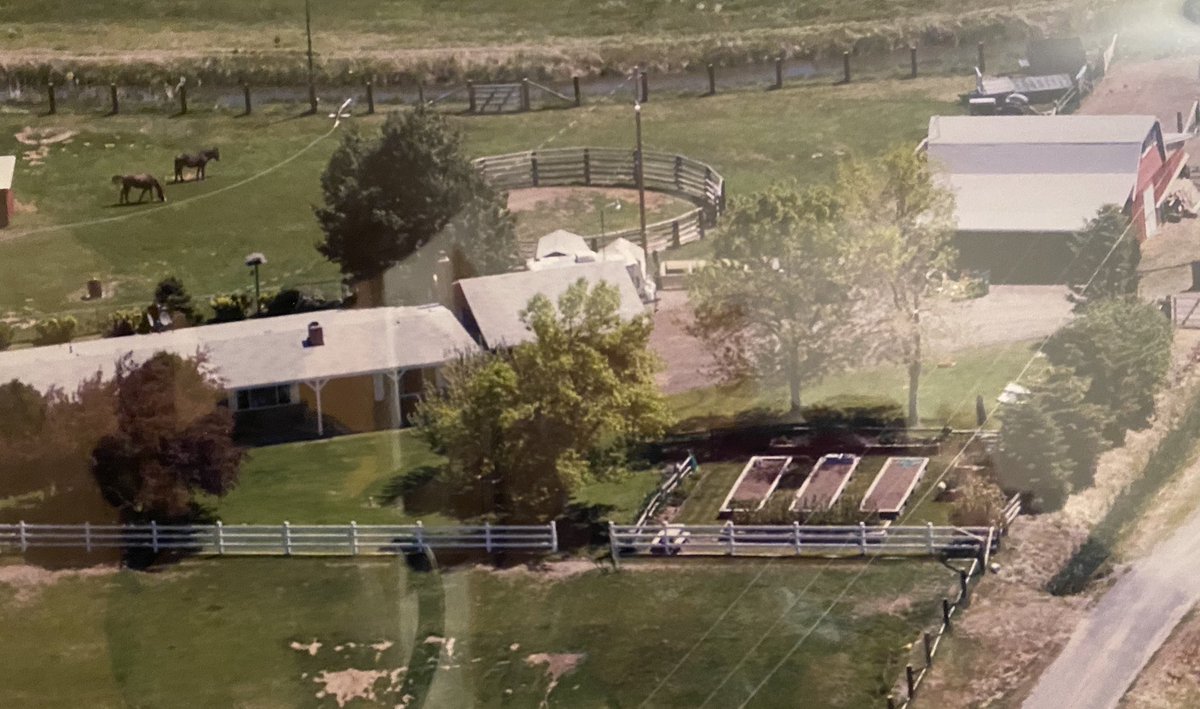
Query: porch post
[(317, 385), (397, 377)]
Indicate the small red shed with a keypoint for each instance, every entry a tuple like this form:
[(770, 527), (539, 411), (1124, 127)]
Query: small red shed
[(7, 164)]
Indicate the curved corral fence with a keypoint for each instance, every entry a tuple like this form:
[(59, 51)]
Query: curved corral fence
[(616, 167)]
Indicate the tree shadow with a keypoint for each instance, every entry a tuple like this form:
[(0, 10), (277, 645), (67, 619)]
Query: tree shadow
[(583, 525)]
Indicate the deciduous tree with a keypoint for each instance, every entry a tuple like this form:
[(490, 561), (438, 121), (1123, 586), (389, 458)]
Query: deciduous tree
[(523, 428), (777, 301), (172, 440), (900, 225)]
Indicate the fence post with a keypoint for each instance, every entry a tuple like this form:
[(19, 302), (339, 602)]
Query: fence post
[(929, 537), (712, 80), (963, 586), (182, 98), (23, 536), (846, 67), (553, 536), (1179, 121), (700, 224), (470, 96), (533, 169), (587, 166), (729, 531), (420, 535), (154, 535), (578, 91), (50, 95), (112, 94), (862, 538), (675, 233), (246, 97), (370, 98), (287, 538), (487, 537), (796, 536), (912, 59), (946, 612), (779, 72), (220, 538), (928, 648), (353, 538), (525, 94), (612, 546), (678, 171), (645, 86), (910, 679), (982, 64), (87, 537)]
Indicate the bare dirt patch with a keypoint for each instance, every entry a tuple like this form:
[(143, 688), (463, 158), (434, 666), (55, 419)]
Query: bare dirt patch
[(1172, 679), (44, 136), (345, 685), (557, 665), (527, 200), (687, 363), (27, 581), (1159, 87), (548, 571)]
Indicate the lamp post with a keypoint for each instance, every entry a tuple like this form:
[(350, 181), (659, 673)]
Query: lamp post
[(312, 88), (641, 183), (615, 206), (255, 260)]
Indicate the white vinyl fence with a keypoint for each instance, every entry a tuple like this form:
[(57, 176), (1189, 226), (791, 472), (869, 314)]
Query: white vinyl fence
[(796, 539), (285, 539)]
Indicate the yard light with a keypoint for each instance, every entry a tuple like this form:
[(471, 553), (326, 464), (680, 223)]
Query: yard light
[(255, 260), (641, 182), (615, 205)]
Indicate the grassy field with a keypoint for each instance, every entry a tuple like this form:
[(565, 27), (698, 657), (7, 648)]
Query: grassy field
[(947, 394), (259, 197), (243, 633), (373, 478), (225, 39)]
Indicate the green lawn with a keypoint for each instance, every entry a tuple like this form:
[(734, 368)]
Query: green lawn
[(60, 237), (947, 393), (219, 633), (374, 478)]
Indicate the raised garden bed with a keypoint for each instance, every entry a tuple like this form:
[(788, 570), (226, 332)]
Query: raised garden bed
[(894, 484), (756, 483), (826, 483)]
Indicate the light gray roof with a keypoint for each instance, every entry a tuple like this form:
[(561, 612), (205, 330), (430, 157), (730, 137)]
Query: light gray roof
[(262, 351), (561, 242), (497, 301), (1036, 173), (1062, 129)]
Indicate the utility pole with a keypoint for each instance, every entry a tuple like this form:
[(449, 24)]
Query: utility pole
[(641, 182), (312, 87)]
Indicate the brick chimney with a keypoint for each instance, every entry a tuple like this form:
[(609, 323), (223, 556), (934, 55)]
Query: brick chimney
[(316, 336)]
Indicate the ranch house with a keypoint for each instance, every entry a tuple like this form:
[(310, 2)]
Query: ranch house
[(1024, 184), (335, 371)]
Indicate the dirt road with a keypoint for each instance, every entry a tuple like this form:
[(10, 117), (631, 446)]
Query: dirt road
[(1114, 642)]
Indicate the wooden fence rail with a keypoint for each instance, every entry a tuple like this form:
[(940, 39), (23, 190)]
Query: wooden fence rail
[(285, 539), (615, 167), (675, 476), (798, 540)]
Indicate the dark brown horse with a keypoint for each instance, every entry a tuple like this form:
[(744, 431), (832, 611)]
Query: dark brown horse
[(146, 183), (197, 161)]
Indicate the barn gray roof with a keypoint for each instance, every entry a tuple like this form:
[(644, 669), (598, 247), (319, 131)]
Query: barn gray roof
[(1036, 173), (262, 351), (496, 302)]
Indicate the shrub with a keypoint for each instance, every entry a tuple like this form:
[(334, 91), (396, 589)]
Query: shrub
[(123, 323), (291, 300), (54, 331), (6, 336), (854, 411), (230, 307), (171, 292), (979, 503)]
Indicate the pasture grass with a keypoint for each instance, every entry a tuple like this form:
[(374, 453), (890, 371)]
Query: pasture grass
[(204, 231), (214, 633), (947, 393)]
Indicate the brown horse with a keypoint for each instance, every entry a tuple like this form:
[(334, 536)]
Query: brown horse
[(197, 161), (142, 181)]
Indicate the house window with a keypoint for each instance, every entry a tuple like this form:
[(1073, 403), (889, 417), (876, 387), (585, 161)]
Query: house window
[(264, 397)]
